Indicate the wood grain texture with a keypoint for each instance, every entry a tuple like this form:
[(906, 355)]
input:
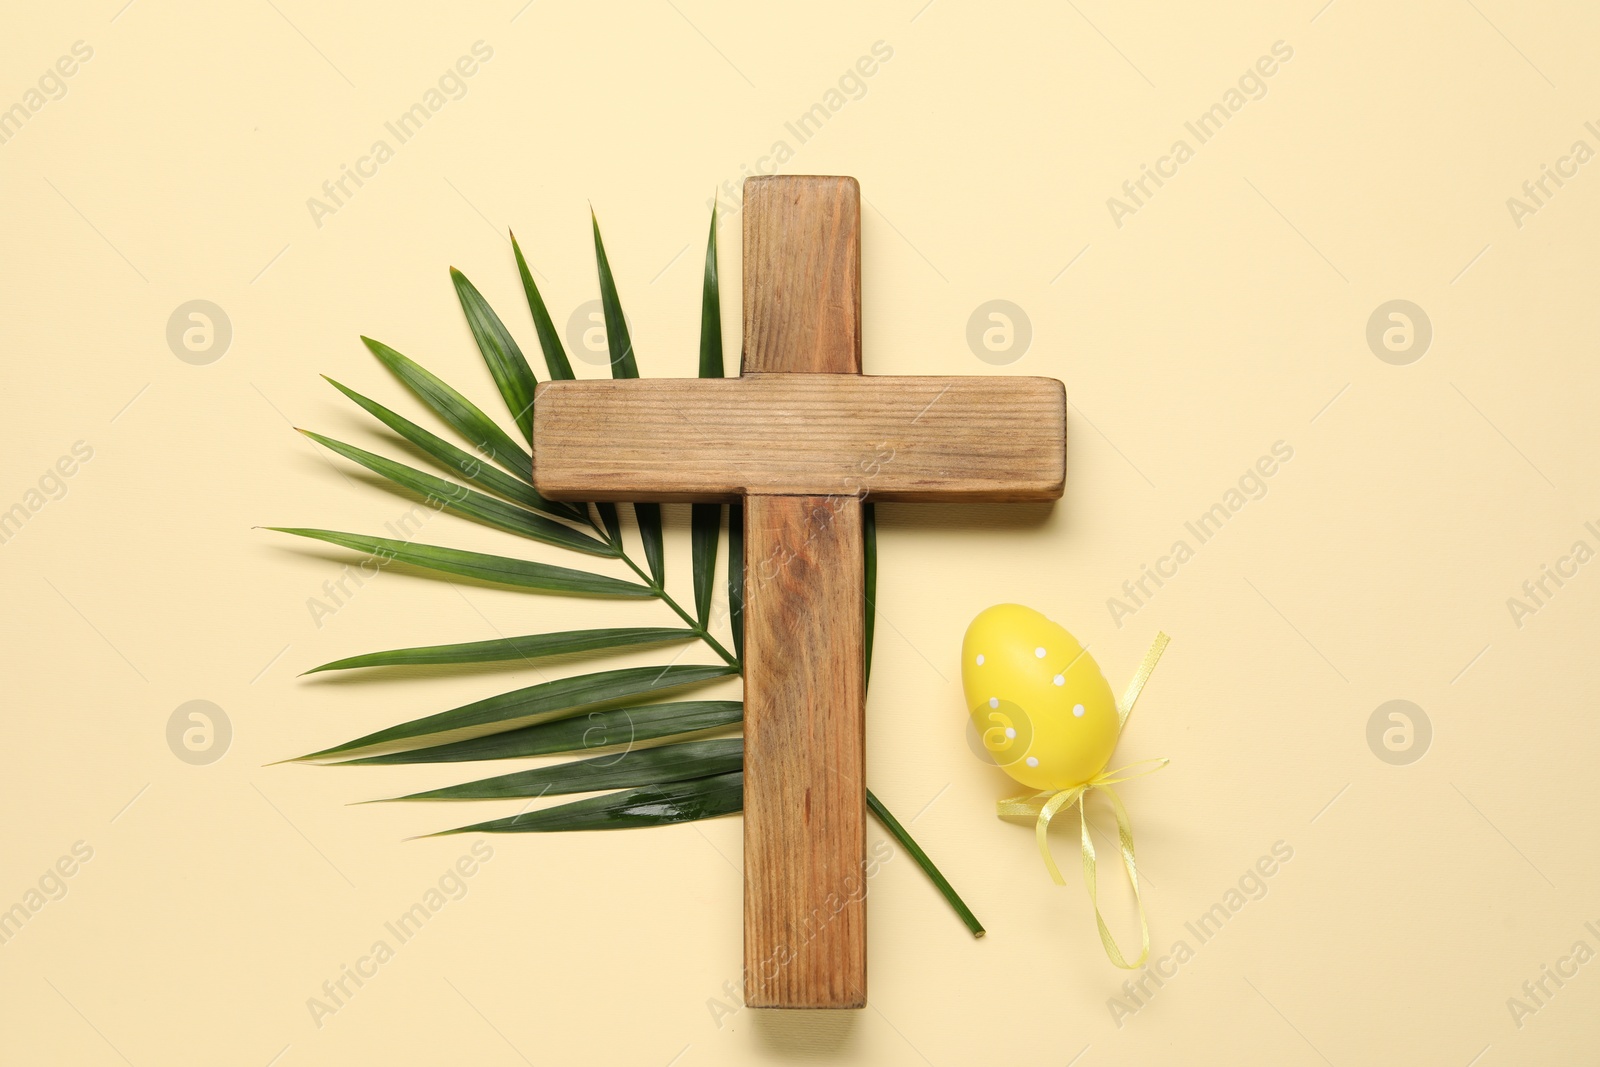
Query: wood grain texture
[(802, 274), (917, 439), (805, 789)]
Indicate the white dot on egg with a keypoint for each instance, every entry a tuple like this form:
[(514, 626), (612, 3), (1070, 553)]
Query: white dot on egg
[(1033, 761), (1060, 679), (994, 702), (1038, 653), (1011, 733), (980, 659), (1077, 710)]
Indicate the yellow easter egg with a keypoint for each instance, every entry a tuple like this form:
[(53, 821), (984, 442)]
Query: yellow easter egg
[(1042, 709)]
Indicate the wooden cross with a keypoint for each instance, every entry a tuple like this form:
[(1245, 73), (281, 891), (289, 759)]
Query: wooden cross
[(801, 438)]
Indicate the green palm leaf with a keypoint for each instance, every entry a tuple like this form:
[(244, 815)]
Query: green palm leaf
[(643, 766), (869, 537), (649, 516), (462, 414), (705, 520), (948, 891), (555, 356), (651, 805), (610, 520), (502, 649), (507, 365), (705, 526), (522, 573), (537, 703), (620, 344), (470, 502), (623, 365), (592, 730), (711, 310), (458, 460)]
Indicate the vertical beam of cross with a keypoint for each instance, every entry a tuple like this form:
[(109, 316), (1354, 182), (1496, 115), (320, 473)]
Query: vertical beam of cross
[(805, 693)]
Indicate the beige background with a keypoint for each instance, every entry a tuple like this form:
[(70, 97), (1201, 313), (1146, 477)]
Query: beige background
[(1226, 314)]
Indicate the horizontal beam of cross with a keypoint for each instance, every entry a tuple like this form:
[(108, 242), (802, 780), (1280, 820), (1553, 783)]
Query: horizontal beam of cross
[(889, 438)]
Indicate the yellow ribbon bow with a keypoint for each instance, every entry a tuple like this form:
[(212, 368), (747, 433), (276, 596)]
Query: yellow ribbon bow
[(1040, 808)]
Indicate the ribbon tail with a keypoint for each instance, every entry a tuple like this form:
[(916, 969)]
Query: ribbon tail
[(1141, 676), (1125, 835)]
